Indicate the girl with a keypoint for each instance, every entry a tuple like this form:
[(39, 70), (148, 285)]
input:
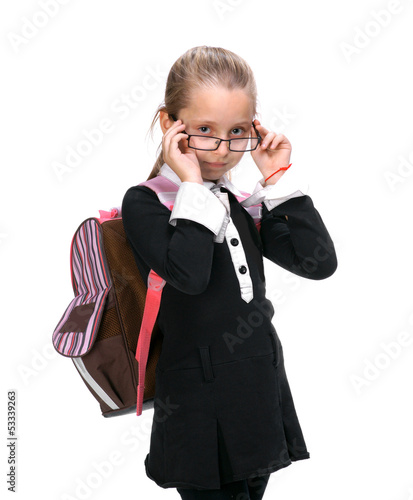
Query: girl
[(224, 417)]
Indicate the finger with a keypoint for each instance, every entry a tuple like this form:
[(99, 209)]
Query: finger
[(266, 136), (175, 142), (174, 128), (262, 130), (267, 139), (170, 133), (283, 140), (257, 123), (178, 137), (276, 142)]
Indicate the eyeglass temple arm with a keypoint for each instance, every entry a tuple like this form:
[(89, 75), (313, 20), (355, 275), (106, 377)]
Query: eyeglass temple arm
[(256, 131)]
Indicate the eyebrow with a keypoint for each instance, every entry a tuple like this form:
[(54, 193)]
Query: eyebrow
[(211, 122)]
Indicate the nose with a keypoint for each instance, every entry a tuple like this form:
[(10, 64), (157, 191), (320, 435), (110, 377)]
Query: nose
[(223, 148)]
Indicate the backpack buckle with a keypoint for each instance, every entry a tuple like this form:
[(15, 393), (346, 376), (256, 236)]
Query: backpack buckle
[(155, 282)]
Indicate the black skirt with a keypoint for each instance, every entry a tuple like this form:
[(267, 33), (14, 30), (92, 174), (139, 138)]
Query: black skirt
[(211, 427)]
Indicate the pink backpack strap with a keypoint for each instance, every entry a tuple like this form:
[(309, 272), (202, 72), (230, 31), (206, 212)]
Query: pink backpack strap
[(166, 191), (164, 188), (152, 303), (255, 211)]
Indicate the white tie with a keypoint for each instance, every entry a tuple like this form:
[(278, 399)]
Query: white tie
[(223, 198)]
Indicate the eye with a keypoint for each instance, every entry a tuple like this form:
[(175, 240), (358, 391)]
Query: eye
[(204, 131), (240, 131)]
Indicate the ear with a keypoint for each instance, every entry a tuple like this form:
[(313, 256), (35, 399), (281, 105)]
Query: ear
[(165, 121)]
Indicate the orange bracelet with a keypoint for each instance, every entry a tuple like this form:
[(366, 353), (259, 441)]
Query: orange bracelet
[(283, 168)]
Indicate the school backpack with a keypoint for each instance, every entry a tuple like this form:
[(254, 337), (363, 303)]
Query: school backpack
[(109, 329)]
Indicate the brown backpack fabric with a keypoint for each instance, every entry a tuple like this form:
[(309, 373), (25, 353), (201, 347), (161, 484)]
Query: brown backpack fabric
[(97, 330)]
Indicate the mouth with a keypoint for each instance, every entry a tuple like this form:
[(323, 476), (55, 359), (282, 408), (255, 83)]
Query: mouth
[(216, 165)]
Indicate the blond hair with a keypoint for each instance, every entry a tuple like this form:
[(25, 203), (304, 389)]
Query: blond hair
[(199, 68)]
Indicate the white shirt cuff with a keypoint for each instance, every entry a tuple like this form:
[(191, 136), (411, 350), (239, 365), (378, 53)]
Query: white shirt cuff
[(288, 186), (197, 203)]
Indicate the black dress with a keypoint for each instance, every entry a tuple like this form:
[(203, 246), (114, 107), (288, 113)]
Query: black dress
[(223, 410)]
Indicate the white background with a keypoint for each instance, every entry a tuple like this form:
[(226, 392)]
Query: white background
[(349, 119)]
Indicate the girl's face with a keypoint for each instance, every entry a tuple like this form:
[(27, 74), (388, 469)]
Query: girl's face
[(222, 113)]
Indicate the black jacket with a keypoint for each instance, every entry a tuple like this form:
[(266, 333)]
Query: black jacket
[(223, 409)]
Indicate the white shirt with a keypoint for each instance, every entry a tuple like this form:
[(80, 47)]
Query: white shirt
[(207, 205)]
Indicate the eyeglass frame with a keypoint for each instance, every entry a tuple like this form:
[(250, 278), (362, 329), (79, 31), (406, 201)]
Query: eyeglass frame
[(222, 140)]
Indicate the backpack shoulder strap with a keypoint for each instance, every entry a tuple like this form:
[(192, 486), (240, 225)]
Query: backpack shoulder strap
[(150, 313), (255, 211), (164, 188), (166, 191)]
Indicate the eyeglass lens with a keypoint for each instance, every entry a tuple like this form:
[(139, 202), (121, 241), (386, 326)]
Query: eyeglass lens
[(211, 143)]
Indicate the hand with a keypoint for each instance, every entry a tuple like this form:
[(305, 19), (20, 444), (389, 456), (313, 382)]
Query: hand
[(178, 156), (273, 152)]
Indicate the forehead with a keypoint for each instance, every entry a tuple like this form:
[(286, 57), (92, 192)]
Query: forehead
[(219, 106)]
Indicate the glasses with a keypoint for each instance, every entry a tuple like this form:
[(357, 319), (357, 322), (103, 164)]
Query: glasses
[(208, 143)]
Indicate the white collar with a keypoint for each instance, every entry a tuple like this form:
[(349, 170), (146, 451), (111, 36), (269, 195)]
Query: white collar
[(170, 174)]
